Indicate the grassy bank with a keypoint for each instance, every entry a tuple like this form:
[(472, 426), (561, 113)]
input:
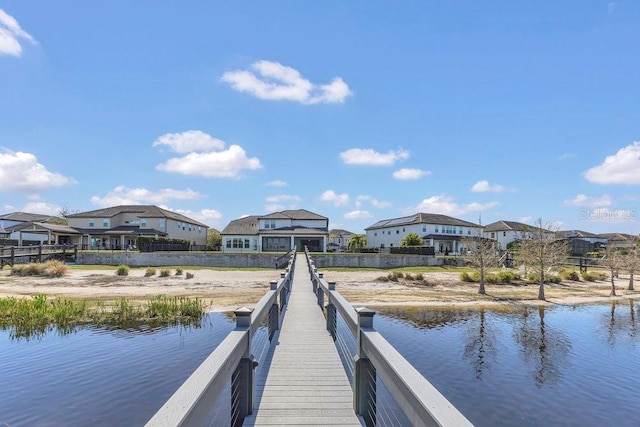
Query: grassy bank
[(28, 317)]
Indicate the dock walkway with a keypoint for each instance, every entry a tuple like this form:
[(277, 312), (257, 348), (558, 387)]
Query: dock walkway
[(306, 383)]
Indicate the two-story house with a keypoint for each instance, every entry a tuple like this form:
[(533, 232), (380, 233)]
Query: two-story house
[(277, 232), (505, 232), (119, 227), (444, 233), (338, 240)]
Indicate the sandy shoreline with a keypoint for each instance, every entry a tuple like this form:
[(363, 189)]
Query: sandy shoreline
[(227, 290)]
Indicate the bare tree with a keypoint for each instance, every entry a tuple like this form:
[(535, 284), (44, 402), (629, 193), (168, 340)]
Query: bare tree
[(632, 261), (481, 254), (613, 261), (540, 251)]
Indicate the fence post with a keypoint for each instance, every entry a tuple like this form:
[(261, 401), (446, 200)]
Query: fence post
[(364, 391), (242, 378), (332, 320), (273, 311)]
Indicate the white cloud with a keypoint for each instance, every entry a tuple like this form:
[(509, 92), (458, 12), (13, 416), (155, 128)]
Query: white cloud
[(281, 202), (187, 142), (357, 214), (211, 217), (445, 205), (368, 156), (378, 204), (592, 202), (122, 195), (484, 186), (620, 168), (221, 164), (11, 34), (277, 183), (526, 220), (42, 208), (21, 172), (338, 200), (274, 81), (409, 174)]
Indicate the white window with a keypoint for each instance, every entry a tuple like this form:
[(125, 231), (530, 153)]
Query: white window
[(105, 222), (270, 223), (161, 222), (92, 222), (143, 222)]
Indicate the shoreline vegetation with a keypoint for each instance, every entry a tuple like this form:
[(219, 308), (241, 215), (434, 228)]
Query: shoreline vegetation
[(117, 294)]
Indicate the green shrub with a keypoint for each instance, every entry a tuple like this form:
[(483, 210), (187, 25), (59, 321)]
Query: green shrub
[(150, 272), (570, 275), (122, 270), (592, 276), (506, 277), (408, 276), (470, 277), (492, 279), (419, 277), (165, 272), (179, 271)]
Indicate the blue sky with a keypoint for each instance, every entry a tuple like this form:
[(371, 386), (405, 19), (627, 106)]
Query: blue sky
[(356, 110)]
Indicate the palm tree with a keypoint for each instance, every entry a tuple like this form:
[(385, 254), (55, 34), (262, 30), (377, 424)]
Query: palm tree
[(411, 239), (357, 241)]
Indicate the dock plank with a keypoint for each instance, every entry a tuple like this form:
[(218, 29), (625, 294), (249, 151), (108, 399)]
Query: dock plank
[(306, 383)]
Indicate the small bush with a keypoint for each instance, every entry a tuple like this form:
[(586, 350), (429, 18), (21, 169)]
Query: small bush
[(150, 272), (408, 276), (506, 277), (383, 279), (189, 275), (179, 271), (398, 274), (592, 276), (419, 277), (122, 270), (54, 268), (553, 279), (466, 277), (570, 275), (165, 272), (548, 278)]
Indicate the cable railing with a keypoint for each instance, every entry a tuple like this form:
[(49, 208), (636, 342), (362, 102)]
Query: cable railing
[(377, 369), (228, 373)]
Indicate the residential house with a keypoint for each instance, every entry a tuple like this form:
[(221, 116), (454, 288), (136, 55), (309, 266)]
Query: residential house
[(444, 233), (119, 227), (505, 232), (338, 240), (24, 228), (582, 242), (277, 232), (619, 240)]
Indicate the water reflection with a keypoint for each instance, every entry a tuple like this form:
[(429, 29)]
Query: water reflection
[(37, 331), (620, 324), (481, 347), (543, 347)]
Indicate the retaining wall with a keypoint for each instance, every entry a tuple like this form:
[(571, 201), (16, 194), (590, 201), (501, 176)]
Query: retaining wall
[(255, 260)]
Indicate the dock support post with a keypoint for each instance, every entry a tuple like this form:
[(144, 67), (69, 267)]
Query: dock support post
[(332, 319), (273, 311), (242, 379), (364, 391)]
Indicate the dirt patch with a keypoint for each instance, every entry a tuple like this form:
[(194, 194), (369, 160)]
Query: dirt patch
[(224, 290)]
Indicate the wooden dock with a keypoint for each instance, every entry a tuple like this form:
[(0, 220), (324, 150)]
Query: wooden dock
[(306, 383), (24, 254)]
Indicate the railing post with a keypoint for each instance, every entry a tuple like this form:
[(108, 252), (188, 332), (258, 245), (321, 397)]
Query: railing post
[(320, 297), (332, 319), (364, 391), (242, 378), (273, 311)]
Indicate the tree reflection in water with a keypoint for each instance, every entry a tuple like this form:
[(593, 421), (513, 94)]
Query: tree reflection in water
[(481, 347), (621, 324), (543, 347)]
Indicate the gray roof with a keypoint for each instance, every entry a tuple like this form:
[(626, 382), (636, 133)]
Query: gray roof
[(617, 236), (579, 234), (299, 214), (25, 217), (421, 218), (44, 226), (248, 225), (339, 232), (143, 211), (507, 226)]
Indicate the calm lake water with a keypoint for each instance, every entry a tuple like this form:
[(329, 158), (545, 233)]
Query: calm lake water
[(564, 366)]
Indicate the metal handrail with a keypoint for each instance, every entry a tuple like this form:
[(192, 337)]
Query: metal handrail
[(192, 403), (420, 401)]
